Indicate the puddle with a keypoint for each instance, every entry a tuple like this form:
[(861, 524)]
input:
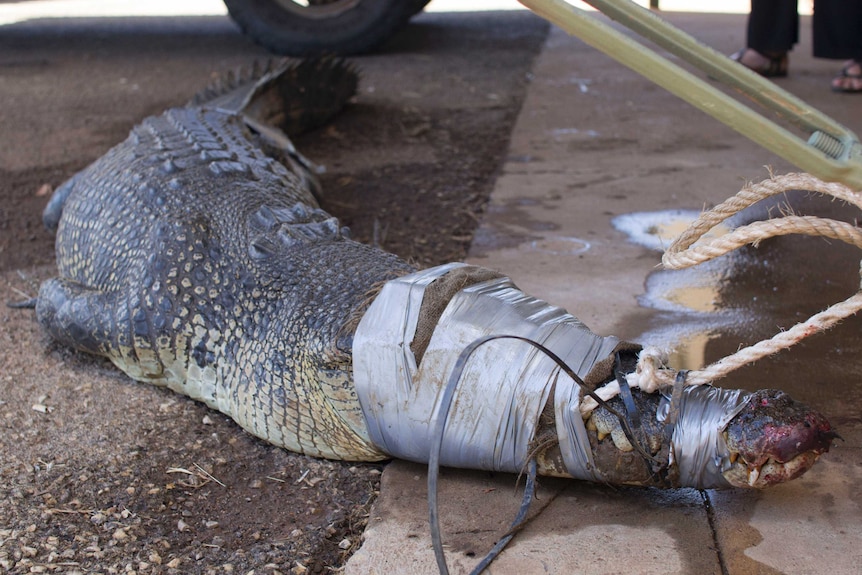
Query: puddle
[(583, 84), (688, 291), (702, 299), (657, 230), (692, 355), (691, 300), (561, 246), (709, 311), (561, 133)]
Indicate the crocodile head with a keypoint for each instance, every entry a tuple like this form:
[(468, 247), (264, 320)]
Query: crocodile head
[(774, 439)]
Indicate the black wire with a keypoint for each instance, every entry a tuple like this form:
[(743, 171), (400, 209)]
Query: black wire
[(520, 519), (633, 417), (626, 393), (439, 426), (676, 397), (439, 419)]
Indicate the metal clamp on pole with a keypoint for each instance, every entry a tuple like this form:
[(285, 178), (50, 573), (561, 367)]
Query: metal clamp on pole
[(831, 151)]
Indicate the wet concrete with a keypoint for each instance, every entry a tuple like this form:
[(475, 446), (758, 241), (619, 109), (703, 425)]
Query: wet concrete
[(707, 312), (595, 142)]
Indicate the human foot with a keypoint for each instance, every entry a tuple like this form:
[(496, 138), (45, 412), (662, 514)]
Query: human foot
[(771, 65), (849, 80)]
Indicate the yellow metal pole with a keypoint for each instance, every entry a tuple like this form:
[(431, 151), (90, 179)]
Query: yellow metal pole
[(832, 152)]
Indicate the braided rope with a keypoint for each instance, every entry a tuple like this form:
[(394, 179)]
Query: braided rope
[(755, 232), (753, 193), (651, 373)]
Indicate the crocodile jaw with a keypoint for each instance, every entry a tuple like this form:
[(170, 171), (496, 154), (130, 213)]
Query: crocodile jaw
[(771, 472), (774, 439)]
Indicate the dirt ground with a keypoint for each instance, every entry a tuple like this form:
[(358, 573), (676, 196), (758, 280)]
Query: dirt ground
[(99, 474)]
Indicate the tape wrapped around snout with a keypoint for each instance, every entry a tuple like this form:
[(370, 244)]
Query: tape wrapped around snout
[(699, 449)]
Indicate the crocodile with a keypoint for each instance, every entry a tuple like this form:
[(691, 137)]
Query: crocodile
[(195, 255)]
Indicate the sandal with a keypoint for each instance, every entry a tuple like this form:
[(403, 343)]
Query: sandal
[(848, 82), (773, 67)]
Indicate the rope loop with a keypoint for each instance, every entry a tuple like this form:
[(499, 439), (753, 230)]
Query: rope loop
[(651, 373)]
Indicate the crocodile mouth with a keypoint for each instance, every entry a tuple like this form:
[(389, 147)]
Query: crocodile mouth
[(773, 439), (770, 472)]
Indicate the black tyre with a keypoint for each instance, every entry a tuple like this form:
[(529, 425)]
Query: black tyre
[(418, 5), (309, 27)]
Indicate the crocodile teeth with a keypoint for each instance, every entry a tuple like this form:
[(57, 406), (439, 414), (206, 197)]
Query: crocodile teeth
[(753, 476), (733, 457)]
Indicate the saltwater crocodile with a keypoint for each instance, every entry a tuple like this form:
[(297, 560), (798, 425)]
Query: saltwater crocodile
[(194, 255)]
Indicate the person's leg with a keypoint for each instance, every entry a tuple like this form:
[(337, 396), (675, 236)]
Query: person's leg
[(837, 28), (773, 30), (773, 26)]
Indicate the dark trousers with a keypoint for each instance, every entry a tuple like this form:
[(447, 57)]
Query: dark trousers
[(773, 27)]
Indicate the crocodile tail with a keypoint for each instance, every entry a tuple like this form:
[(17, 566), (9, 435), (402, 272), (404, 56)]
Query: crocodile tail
[(294, 96), (304, 95), (230, 89)]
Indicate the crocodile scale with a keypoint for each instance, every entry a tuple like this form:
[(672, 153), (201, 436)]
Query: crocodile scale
[(195, 260), (195, 255)]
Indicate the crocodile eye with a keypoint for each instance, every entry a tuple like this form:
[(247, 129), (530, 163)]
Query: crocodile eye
[(806, 424)]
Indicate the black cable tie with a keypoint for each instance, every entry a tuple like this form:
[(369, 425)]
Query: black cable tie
[(675, 400), (626, 394)]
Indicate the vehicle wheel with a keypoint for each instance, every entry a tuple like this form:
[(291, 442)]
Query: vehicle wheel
[(418, 5), (309, 27)]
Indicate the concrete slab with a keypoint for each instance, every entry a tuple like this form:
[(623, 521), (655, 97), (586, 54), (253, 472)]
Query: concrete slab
[(811, 525), (594, 141), (592, 529)]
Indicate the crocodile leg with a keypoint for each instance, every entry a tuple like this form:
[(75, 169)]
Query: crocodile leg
[(78, 316), (109, 324), (54, 209)]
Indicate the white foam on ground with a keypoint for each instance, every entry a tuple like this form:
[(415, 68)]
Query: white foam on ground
[(691, 291), (654, 230)]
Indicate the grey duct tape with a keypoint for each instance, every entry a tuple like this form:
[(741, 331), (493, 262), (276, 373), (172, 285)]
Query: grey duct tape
[(504, 388), (699, 448), (506, 384)]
